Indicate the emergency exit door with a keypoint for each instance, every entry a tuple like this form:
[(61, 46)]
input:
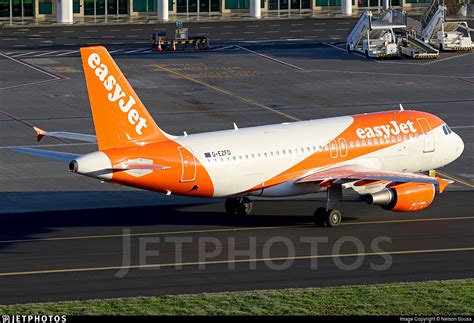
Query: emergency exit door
[(188, 164), (429, 140)]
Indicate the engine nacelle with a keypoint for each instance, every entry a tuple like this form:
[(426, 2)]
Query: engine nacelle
[(406, 197), (96, 164)]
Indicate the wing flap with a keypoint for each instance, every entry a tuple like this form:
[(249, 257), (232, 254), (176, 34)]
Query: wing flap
[(356, 173)]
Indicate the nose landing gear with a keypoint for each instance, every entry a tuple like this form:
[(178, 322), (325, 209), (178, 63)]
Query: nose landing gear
[(238, 205)]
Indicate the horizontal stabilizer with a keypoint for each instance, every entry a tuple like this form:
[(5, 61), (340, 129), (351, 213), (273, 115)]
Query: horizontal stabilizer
[(40, 133), (49, 154)]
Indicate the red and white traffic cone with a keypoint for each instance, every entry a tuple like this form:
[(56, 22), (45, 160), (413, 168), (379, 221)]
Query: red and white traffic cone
[(174, 47), (158, 48), (196, 44), (208, 46)]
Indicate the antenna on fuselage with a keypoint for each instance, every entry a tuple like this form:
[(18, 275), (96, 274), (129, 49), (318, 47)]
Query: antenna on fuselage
[(401, 107), (235, 127)]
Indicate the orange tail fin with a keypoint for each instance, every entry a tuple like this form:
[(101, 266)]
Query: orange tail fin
[(120, 118)]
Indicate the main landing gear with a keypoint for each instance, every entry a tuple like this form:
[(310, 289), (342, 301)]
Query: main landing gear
[(238, 205), (328, 216)]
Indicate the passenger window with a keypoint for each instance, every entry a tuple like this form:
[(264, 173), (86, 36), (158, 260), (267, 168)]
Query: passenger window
[(351, 144), (283, 152), (375, 141), (410, 136), (271, 153), (363, 143), (369, 142), (326, 148), (357, 143), (405, 137), (399, 138), (234, 158), (394, 139)]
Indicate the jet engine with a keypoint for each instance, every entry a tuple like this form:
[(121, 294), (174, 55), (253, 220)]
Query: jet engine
[(405, 197)]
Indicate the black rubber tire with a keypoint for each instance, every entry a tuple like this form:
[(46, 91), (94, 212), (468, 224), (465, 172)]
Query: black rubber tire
[(367, 54), (244, 206), (333, 218), (231, 206), (320, 217)]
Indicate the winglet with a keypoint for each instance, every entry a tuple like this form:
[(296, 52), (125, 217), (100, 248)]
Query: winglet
[(442, 183), (39, 133)]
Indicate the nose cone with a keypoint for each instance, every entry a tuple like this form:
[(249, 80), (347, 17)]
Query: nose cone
[(460, 145)]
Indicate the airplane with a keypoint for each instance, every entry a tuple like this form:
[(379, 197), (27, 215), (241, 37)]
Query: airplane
[(381, 156)]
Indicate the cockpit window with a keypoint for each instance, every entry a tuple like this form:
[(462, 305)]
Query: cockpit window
[(446, 129)]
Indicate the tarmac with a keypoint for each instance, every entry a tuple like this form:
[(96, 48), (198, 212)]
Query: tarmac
[(63, 236)]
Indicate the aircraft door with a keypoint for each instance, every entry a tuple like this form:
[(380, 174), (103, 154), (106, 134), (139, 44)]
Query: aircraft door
[(333, 150), (428, 135), (188, 164)]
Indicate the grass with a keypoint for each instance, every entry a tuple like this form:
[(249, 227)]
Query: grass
[(454, 297)]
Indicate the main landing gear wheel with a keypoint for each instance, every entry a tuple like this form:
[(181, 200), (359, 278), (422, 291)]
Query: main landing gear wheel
[(330, 218), (240, 206), (320, 217)]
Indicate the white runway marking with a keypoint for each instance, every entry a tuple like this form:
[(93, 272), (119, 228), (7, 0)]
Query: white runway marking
[(69, 52), (44, 54), (271, 58), (461, 127), (32, 67), (24, 54)]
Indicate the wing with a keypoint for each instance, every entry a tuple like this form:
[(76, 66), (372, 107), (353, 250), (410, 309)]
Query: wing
[(40, 133), (49, 154), (366, 176)]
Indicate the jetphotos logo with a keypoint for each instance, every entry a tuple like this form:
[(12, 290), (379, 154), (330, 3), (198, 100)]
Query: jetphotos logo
[(393, 128), (116, 93)]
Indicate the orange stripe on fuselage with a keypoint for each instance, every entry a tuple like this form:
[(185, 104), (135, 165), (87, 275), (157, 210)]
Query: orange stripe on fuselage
[(366, 122), (167, 154)]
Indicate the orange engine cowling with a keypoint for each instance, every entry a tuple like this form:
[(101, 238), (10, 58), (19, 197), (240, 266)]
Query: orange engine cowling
[(405, 197)]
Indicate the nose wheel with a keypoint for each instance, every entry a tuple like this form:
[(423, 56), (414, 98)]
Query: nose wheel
[(330, 218), (239, 206)]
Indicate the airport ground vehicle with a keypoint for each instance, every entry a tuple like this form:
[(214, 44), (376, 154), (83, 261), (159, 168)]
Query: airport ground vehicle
[(373, 37), (379, 156), (376, 37), (443, 34), (181, 40)]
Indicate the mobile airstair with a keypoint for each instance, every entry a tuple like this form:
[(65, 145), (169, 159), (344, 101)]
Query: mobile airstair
[(442, 34), (374, 37)]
